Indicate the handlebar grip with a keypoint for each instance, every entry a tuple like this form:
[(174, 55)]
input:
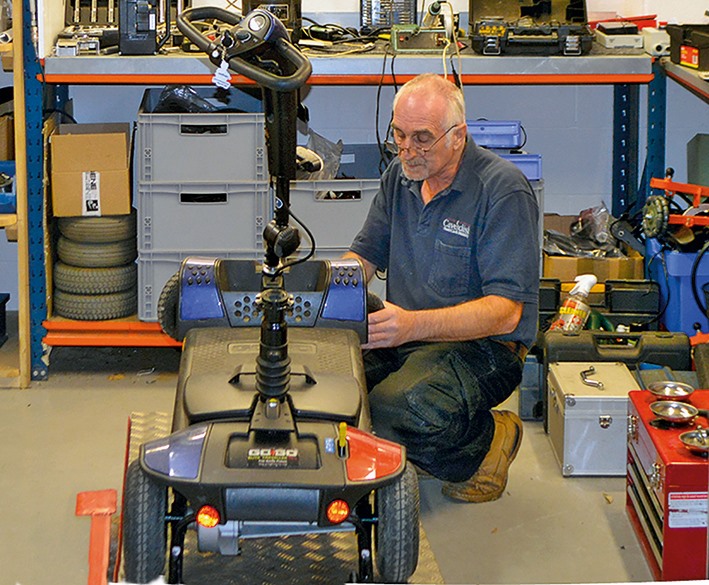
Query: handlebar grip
[(302, 65), (185, 26)]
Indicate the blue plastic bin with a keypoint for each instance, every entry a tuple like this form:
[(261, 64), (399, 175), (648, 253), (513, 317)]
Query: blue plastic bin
[(681, 312), (529, 164), (496, 133)]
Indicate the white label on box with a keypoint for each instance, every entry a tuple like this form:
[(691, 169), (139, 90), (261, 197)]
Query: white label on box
[(687, 509), (91, 193)]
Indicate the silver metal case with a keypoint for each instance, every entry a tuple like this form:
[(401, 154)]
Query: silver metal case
[(588, 403)]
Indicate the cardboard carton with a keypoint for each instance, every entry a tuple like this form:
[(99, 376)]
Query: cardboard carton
[(7, 138), (566, 268), (90, 170)]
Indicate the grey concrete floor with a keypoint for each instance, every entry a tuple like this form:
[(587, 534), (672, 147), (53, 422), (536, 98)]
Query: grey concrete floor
[(68, 434)]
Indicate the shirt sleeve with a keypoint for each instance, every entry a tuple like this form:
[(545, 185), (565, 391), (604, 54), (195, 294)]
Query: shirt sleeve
[(508, 252)]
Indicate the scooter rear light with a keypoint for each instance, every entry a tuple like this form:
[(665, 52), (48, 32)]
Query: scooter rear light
[(208, 516), (338, 511)]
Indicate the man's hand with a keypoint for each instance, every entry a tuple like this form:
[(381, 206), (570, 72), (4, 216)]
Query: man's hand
[(389, 327), (484, 317)]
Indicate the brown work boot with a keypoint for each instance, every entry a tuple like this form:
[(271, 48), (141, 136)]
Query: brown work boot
[(489, 481)]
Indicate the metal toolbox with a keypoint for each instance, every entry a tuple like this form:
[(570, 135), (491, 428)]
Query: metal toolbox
[(588, 404), (649, 347), (528, 27), (666, 492)]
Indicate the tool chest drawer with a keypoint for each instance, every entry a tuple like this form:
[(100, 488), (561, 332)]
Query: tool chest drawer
[(588, 404), (666, 492)]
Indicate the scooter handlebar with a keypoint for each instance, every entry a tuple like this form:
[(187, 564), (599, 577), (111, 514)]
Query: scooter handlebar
[(285, 49)]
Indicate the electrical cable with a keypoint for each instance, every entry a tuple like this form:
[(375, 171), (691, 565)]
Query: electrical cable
[(662, 311), (310, 253), (693, 277), (61, 113)]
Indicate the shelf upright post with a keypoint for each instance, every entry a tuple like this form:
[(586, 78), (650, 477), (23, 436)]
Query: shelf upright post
[(656, 128), (34, 102), (625, 146)]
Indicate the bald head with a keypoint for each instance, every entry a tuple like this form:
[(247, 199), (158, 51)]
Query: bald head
[(435, 93)]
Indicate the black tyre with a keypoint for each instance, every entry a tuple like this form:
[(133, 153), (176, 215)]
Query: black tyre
[(95, 281), (97, 230), (144, 527), (396, 539), (96, 255), (96, 307), (167, 305)]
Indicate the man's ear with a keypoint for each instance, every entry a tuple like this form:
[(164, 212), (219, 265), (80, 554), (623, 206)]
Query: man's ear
[(460, 134)]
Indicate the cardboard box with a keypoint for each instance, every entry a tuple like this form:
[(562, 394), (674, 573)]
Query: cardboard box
[(7, 138), (566, 268), (90, 170)]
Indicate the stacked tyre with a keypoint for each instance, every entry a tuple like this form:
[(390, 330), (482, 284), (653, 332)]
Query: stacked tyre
[(95, 276)]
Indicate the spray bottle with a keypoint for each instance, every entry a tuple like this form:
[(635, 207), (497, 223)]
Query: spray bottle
[(574, 311)]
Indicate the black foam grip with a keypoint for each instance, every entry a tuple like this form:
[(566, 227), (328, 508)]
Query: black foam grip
[(374, 303)]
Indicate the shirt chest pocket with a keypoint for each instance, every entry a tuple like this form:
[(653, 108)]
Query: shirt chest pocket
[(450, 270)]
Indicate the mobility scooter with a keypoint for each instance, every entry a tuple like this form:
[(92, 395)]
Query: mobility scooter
[(271, 434)]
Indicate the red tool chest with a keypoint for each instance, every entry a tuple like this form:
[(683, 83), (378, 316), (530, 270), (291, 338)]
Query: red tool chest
[(666, 491)]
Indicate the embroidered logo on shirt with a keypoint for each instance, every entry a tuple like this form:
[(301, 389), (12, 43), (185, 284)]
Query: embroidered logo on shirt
[(457, 227)]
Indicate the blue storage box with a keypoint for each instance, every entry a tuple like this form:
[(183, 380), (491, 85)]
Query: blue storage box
[(681, 312), (496, 133), (529, 164)]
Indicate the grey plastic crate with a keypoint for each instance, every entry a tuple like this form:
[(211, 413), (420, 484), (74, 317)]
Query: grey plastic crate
[(333, 210), (216, 146), (203, 217), (154, 270)]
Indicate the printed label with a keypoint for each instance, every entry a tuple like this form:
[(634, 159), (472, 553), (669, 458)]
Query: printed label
[(91, 193), (273, 457), (689, 56), (687, 509)]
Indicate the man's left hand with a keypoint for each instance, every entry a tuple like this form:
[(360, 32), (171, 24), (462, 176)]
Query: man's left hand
[(391, 326)]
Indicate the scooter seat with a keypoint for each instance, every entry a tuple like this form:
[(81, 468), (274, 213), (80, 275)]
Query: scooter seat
[(217, 378)]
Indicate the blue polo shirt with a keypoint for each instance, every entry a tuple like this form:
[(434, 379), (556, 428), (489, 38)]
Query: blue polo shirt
[(478, 237)]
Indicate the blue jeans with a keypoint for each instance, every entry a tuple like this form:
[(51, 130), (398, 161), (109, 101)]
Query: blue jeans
[(435, 399)]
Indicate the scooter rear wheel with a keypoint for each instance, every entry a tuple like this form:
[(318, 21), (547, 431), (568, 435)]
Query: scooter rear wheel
[(396, 543), (144, 527)]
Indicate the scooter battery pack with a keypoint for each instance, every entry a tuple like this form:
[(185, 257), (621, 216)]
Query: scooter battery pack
[(588, 405), (666, 492), (529, 27)]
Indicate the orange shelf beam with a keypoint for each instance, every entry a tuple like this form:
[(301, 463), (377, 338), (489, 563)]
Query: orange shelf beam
[(106, 333), (482, 79)]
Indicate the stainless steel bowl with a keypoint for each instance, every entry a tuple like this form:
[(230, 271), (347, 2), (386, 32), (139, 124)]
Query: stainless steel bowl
[(697, 441), (670, 390), (674, 411)]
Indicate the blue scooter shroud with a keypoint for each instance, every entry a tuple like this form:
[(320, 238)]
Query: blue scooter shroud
[(223, 292)]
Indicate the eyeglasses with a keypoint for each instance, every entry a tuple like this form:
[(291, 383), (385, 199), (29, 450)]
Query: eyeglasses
[(419, 142)]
